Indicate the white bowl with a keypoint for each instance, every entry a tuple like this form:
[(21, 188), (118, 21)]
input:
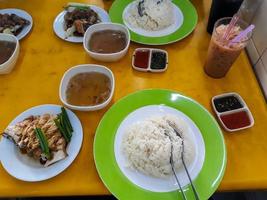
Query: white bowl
[(81, 69), (7, 66), (107, 57)]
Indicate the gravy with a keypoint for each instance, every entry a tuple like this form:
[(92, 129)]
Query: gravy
[(6, 50), (88, 89), (107, 41)]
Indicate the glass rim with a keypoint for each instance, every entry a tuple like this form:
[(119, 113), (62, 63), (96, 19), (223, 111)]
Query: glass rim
[(239, 21)]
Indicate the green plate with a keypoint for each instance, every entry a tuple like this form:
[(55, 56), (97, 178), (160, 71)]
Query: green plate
[(190, 20), (213, 168)]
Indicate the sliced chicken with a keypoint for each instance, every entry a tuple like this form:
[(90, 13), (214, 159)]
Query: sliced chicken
[(24, 136)]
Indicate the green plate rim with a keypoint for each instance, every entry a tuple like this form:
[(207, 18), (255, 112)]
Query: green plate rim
[(189, 23), (128, 186)]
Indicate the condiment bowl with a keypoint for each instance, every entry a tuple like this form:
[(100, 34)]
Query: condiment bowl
[(149, 67), (7, 66), (83, 69), (239, 116), (106, 57)]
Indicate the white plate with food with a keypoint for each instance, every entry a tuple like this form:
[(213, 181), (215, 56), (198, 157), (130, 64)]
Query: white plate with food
[(153, 18), (137, 110), (85, 15), (40, 143), (22, 20), (142, 148)]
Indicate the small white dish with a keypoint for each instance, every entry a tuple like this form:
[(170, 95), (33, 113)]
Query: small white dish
[(251, 119), (82, 69), (23, 14), (149, 69), (178, 19), (244, 108), (152, 183), (25, 168), (7, 66), (106, 57), (59, 25)]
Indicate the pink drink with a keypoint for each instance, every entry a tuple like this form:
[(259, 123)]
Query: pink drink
[(221, 53)]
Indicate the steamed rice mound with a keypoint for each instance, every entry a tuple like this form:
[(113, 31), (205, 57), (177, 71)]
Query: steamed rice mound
[(157, 15), (148, 148)]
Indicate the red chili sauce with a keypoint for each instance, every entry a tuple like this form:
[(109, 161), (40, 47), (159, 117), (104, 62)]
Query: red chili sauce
[(141, 59), (236, 120)]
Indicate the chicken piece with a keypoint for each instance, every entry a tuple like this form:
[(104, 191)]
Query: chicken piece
[(58, 155), (24, 136), (12, 23), (81, 19), (79, 26)]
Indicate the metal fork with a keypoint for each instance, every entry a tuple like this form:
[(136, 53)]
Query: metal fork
[(182, 155), (172, 166)]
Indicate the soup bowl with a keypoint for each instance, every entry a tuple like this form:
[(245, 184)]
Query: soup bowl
[(85, 68), (106, 57), (7, 66)]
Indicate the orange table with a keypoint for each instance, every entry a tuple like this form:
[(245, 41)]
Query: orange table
[(44, 58)]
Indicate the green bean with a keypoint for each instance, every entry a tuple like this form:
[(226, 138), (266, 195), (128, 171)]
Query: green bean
[(61, 130), (61, 120), (43, 142), (66, 117), (64, 123)]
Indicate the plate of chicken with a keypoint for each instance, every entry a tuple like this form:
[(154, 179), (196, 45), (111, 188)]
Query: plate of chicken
[(41, 142), (16, 22), (71, 24)]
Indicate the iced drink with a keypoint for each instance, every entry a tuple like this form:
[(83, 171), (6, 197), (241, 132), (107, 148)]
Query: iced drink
[(222, 53)]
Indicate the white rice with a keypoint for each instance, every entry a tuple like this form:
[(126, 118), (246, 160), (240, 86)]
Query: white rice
[(158, 14), (148, 148)]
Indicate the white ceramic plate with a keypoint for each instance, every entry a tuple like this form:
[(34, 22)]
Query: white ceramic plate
[(148, 182), (178, 21), (59, 24), (23, 14), (25, 168)]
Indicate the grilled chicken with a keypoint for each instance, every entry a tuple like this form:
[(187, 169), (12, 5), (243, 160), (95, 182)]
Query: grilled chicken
[(23, 135), (11, 23), (80, 19)]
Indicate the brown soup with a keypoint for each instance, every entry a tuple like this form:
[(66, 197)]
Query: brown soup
[(88, 89), (6, 50), (107, 41)]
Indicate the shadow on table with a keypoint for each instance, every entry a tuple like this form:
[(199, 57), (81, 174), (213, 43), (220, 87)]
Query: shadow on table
[(251, 195)]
